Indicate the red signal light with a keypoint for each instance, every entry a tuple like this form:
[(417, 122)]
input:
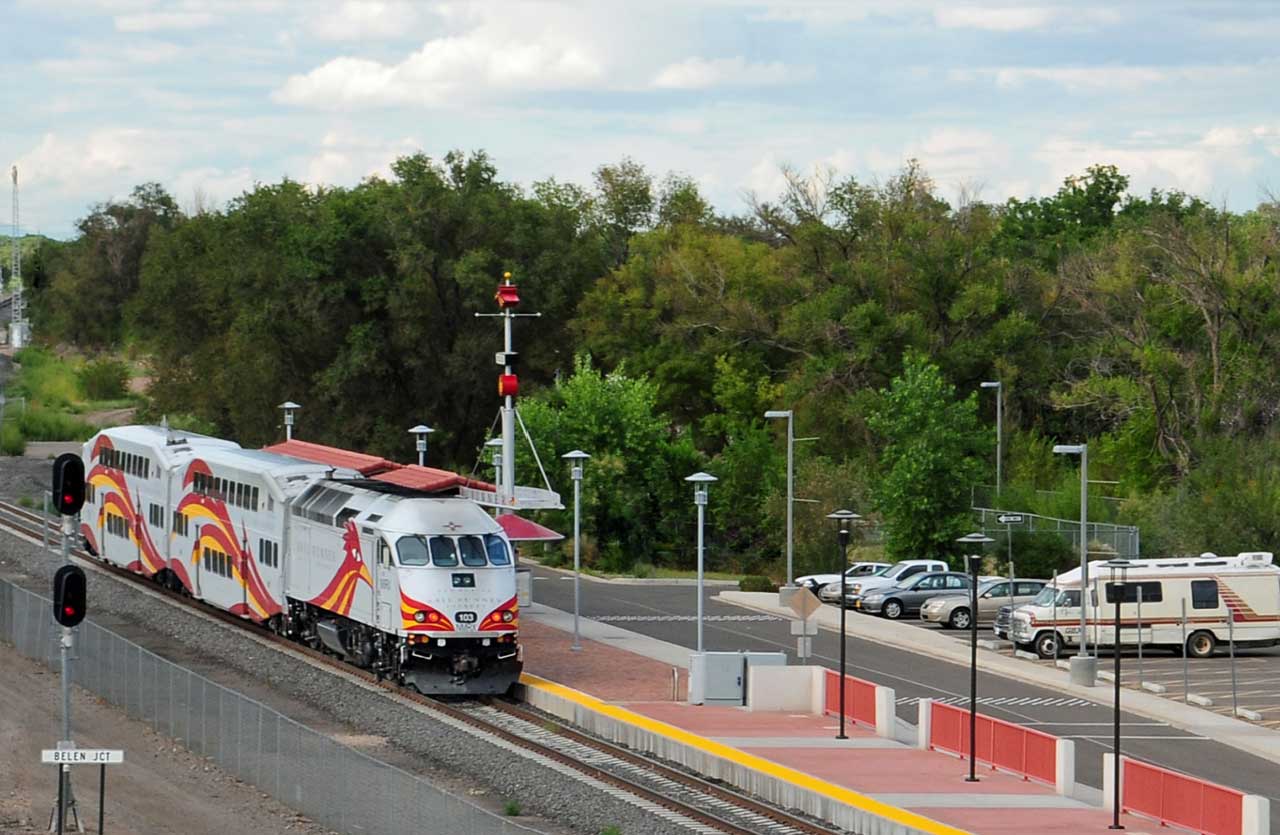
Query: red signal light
[(508, 384)]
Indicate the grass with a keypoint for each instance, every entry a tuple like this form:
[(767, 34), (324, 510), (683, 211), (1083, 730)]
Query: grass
[(40, 424), (54, 389), (11, 440), (611, 830), (511, 809)]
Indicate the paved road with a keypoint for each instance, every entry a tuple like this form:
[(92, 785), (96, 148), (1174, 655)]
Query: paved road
[(667, 613)]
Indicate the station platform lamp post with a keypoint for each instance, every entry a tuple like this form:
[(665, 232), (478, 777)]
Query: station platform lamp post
[(789, 415), (1118, 592), (576, 459), (844, 520), (289, 408), (973, 564), (420, 433), (1084, 668), (700, 483)]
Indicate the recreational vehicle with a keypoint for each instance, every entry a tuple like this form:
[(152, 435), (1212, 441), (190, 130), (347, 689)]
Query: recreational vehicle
[(1185, 603)]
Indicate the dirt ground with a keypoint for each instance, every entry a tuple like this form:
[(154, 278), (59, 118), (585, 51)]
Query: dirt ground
[(161, 784)]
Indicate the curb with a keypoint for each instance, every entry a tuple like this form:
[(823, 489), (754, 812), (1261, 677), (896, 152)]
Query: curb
[(1227, 730)]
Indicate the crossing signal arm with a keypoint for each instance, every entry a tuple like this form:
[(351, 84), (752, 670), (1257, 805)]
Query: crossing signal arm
[(70, 595), (68, 484)]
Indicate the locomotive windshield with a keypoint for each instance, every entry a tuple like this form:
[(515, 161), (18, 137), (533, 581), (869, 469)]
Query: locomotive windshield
[(447, 551)]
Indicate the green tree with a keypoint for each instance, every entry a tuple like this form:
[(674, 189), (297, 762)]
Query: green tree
[(634, 500), (930, 458)]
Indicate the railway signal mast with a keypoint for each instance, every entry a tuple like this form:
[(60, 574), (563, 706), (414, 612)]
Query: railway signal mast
[(508, 298), (19, 328)]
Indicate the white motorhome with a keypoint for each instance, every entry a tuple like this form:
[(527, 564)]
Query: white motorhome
[(1206, 590)]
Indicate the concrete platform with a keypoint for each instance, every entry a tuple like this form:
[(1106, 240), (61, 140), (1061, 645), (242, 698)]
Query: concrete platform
[(866, 783)]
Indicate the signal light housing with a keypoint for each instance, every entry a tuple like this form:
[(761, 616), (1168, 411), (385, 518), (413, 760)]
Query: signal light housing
[(508, 384), (68, 484), (70, 595)]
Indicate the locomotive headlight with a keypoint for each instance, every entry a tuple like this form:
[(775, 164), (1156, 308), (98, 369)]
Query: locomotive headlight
[(419, 617), (507, 617)]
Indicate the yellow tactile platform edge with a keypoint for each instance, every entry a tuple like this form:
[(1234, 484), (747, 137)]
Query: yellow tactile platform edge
[(709, 746)]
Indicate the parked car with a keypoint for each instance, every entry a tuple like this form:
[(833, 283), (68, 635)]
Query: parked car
[(906, 599), (952, 610), (891, 576), (859, 569)]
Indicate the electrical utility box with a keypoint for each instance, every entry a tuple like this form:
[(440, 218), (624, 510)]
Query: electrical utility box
[(720, 678)]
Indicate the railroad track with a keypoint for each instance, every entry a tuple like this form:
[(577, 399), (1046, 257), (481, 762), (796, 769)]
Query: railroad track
[(679, 797)]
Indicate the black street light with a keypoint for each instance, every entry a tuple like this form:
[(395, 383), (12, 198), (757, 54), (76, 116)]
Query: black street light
[(1116, 591), (973, 562), (843, 518)]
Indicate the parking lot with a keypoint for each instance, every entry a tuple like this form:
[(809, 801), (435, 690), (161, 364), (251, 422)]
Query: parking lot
[(1257, 672)]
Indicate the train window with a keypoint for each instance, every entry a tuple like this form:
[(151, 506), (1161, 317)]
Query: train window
[(179, 522), (384, 554), (443, 552), (412, 550), (253, 499), (1204, 594), (472, 550), (497, 548)]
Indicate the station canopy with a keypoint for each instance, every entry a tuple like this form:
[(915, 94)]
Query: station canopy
[(520, 529)]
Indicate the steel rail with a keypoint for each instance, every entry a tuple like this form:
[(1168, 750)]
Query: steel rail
[(30, 523)]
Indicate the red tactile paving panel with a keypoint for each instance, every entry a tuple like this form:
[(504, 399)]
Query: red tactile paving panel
[(601, 670)]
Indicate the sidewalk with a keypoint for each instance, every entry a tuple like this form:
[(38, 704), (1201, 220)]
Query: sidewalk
[(884, 777), (1241, 735)]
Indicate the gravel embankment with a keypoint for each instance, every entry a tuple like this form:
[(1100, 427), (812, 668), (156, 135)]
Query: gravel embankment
[(536, 787)]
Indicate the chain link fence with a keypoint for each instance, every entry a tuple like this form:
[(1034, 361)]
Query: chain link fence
[(332, 784)]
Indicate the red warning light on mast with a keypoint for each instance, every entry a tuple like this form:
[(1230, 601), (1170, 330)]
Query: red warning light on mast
[(508, 384)]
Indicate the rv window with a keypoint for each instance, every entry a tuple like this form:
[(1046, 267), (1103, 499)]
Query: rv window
[(1152, 592), (1204, 594)]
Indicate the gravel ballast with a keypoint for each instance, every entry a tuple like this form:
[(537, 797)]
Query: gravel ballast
[(489, 765)]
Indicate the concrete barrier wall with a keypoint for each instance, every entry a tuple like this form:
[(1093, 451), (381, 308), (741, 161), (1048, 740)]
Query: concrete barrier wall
[(771, 782), (789, 689)]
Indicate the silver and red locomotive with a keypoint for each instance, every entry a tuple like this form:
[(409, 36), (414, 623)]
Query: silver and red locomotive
[(396, 568)]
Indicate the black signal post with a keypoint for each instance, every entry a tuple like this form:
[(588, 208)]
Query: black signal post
[(70, 601), (843, 518)]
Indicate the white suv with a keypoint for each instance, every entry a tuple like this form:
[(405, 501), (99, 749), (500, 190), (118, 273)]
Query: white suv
[(892, 576), (853, 572)]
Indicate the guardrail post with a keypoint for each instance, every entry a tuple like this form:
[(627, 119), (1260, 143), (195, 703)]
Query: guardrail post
[(924, 722), (1255, 815), (1064, 769), (886, 712)]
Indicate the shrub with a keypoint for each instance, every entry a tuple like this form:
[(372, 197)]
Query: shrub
[(44, 425), (511, 809), (105, 379), (11, 440), (46, 379), (754, 582), (611, 830)]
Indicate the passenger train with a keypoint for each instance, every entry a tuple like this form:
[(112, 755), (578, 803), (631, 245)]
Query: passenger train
[(389, 566)]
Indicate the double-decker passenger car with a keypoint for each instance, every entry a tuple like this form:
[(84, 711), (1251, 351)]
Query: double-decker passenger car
[(385, 565)]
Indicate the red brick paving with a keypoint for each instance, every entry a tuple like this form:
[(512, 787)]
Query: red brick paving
[(601, 670)]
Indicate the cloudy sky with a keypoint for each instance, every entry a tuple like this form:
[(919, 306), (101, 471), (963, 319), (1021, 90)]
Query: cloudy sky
[(210, 96)]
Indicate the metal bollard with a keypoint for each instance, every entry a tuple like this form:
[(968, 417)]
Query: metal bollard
[(1056, 590), (1231, 647), (1141, 677), (1186, 684)]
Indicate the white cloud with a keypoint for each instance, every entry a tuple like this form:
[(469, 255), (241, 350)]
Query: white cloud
[(452, 70), (355, 20), (345, 158), (156, 21), (993, 18), (1196, 165), (1102, 78), (699, 74)]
